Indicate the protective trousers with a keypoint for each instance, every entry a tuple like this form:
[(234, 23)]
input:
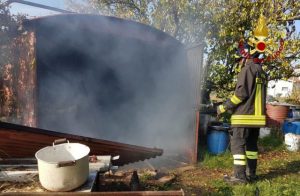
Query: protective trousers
[(244, 150)]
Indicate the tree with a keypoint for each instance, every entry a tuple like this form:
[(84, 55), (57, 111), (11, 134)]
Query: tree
[(9, 31), (178, 18), (237, 20), (219, 24)]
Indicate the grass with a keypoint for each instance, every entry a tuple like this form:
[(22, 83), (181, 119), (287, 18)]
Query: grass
[(278, 170), (223, 161), (272, 142)]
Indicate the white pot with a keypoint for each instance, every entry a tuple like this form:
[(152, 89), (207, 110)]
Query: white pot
[(63, 167)]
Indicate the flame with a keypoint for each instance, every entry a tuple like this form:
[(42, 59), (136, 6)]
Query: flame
[(261, 29)]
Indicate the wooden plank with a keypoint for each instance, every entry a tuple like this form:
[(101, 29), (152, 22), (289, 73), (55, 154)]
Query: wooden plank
[(136, 193), (17, 176), (18, 161), (196, 142), (19, 167)]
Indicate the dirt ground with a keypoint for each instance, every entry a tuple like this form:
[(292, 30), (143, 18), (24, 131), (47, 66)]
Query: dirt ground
[(200, 179)]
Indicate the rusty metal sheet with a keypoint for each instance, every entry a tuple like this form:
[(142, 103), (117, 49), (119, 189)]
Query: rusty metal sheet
[(18, 141)]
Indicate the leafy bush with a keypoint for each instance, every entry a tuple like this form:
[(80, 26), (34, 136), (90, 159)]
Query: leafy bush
[(294, 98)]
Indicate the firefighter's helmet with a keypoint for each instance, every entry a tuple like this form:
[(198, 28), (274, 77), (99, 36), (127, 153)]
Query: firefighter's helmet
[(258, 46), (259, 41)]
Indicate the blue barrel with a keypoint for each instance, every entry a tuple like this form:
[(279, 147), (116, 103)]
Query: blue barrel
[(290, 114), (217, 140), (291, 126)]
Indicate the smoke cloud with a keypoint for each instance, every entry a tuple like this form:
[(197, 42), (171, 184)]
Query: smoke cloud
[(113, 79)]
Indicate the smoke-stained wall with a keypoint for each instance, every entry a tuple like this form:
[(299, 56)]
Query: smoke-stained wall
[(112, 79)]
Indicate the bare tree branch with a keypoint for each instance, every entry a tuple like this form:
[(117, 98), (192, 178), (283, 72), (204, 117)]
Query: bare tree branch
[(176, 20), (290, 19)]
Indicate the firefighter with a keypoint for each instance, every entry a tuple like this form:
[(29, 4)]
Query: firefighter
[(247, 106), (248, 115)]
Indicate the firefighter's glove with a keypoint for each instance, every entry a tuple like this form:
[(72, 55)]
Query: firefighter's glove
[(220, 109)]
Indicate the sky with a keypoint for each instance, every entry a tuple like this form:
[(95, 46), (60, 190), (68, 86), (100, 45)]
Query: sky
[(32, 11)]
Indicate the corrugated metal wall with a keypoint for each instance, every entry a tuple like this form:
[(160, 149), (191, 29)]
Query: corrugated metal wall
[(197, 70)]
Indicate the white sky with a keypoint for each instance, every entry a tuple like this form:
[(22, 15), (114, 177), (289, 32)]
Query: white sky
[(33, 11)]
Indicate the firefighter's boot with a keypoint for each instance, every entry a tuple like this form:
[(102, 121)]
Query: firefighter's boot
[(239, 176), (252, 164)]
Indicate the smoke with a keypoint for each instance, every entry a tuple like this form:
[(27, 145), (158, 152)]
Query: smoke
[(113, 79)]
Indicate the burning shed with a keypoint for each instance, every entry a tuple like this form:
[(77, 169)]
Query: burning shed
[(107, 78)]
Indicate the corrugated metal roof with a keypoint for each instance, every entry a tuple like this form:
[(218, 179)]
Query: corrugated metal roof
[(18, 141)]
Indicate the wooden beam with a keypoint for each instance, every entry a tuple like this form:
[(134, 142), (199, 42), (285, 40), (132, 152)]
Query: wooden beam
[(136, 193)]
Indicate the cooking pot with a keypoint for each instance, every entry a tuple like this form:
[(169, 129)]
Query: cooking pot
[(63, 166)]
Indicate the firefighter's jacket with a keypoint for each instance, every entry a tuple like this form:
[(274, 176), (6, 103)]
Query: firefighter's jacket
[(248, 102)]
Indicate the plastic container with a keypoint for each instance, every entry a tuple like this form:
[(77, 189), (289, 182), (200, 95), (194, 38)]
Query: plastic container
[(294, 112), (276, 114), (264, 132), (217, 139), (291, 126), (292, 141)]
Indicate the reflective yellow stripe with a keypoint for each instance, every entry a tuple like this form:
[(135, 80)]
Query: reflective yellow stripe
[(248, 116), (259, 80), (239, 156), (251, 154), (222, 109), (257, 119), (236, 162), (258, 104), (248, 120), (234, 99), (251, 157)]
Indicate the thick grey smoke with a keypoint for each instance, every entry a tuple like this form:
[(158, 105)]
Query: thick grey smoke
[(113, 79)]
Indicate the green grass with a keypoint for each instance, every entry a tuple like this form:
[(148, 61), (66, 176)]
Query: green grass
[(272, 142), (225, 160), (285, 185), (278, 170), (222, 161)]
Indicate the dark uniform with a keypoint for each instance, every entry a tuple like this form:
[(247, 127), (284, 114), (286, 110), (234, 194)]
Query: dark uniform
[(248, 115)]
